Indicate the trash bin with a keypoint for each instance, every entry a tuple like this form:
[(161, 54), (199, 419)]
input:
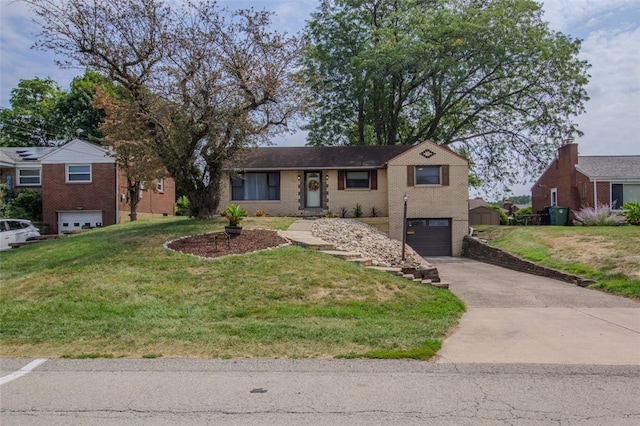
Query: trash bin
[(558, 215)]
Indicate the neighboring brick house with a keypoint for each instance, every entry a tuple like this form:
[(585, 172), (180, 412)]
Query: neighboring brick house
[(81, 185), (311, 181), (576, 181)]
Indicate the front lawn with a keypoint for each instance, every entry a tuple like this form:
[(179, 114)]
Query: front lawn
[(116, 291), (608, 254)]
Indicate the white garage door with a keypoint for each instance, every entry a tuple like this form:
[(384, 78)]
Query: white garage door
[(78, 220)]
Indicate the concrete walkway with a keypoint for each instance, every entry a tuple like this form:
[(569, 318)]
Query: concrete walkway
[(514, 317), (300, 233)]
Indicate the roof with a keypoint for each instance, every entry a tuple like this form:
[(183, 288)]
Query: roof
[(477, 202), (23, 156), (616, 167), (321, 157)]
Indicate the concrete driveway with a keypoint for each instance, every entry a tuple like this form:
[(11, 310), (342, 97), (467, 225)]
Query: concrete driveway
[(513, 317)]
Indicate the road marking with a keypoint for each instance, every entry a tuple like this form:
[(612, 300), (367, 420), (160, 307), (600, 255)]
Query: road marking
[(23, 371)]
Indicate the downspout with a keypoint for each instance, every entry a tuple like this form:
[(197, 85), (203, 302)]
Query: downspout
[(595, 195)]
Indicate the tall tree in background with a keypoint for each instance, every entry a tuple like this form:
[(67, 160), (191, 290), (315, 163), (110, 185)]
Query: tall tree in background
[(42, 114), (205, 82), (484, 76), (33, 119), (77, 107)]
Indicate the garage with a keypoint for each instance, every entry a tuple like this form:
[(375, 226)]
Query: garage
[(430, 237), (71, 221)]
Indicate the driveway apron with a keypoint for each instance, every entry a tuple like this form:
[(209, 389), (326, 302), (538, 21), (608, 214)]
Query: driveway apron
[(513, 317)]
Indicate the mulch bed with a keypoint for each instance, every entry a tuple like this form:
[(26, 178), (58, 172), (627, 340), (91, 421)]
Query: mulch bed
[(249, 240)]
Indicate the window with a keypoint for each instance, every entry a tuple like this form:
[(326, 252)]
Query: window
[(256, 186), (160, 185), (554, 197), (428, 175), (79, 173), (357, 179), (29, 177)]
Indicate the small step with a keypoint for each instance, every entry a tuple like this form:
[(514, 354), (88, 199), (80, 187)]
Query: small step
[(362, 261), (390, 270), (440, 285), (347, 255)]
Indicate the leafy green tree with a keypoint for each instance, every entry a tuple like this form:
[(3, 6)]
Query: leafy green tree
[(485, 75), (33, 119), (206, 82), (77, 107)]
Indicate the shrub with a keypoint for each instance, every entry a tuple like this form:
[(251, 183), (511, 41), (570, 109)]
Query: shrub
[(631, 213), (374, 212), (182, 206), (27, 205), (259, 213), (357, 211), (600, 216), (343, 212), (504, 219), (526, 210)]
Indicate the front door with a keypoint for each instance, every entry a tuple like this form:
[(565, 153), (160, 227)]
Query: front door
[(313, 192)]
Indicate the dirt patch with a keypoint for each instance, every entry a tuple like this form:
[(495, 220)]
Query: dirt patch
[(249, 240)]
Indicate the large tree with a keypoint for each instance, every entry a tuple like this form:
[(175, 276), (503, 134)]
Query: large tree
[(33, 119), (42, 114), (486, 77), (205, 82)]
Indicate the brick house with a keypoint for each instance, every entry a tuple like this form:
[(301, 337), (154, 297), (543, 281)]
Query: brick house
[(575, 181), (311, 181), (81, 185)]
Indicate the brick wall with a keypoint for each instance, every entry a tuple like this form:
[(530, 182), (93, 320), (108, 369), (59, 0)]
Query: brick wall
[(152, 203), (430, 202), (58, 195), (476, 249)]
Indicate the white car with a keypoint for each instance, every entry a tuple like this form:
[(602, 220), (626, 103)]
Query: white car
[(16, 231)]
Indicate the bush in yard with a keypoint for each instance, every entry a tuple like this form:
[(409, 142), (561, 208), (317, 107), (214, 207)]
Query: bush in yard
[(600, 216), (504, 219), (27, 205), (631, 213), (526, 210), (182, 206)]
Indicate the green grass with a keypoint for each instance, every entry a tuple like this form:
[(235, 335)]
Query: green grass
[(117, 292), (610, 255)]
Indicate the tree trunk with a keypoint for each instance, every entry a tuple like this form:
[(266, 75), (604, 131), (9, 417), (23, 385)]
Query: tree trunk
[(205, 201)]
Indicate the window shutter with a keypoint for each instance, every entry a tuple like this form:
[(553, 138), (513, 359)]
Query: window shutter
[(340, 180), (445, 175), (374, 179), (410, 175)]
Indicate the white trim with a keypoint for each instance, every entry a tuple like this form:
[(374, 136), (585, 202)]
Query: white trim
[(38, 169), (67, 180)]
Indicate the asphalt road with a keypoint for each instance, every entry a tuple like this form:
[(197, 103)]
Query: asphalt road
[(317, 392), (529, 351)]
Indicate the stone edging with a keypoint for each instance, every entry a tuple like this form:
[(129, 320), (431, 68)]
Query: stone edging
[(474, 248)]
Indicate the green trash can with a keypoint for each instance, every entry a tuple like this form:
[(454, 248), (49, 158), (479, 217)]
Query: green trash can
[(559, 215)]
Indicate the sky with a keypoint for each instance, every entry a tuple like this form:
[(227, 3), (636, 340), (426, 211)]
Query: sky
[(610, 30)]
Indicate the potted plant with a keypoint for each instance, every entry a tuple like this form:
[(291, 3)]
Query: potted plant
[(234, 214)]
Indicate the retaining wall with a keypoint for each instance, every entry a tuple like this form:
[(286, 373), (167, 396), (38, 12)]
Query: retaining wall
[(477, 249)]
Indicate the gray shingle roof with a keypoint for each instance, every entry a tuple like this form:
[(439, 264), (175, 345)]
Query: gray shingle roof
[(311, 158), (13, 156), (610, 167)]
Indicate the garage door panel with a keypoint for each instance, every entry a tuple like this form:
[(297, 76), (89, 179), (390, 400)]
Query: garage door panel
[(429, 237), (76, 221)]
